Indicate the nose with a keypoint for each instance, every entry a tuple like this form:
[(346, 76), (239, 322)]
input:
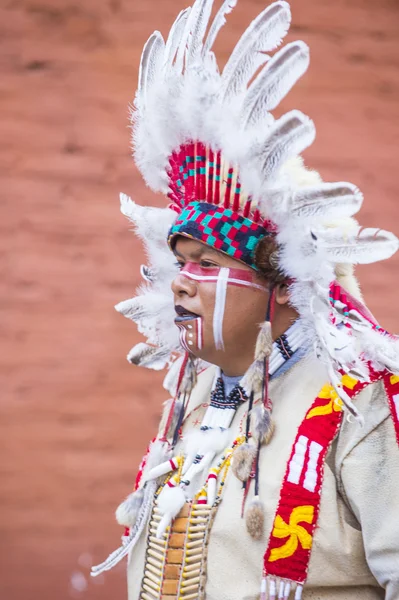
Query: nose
[(183, 286)]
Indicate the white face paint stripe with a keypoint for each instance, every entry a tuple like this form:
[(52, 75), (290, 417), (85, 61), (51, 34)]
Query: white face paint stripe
[(220, 303), (198, 328), (232, 280), (183, 339)]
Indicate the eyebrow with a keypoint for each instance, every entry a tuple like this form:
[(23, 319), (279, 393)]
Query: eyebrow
[(197, 253)]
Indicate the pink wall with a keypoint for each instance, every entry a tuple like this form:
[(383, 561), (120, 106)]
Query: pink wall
[(75, 416)]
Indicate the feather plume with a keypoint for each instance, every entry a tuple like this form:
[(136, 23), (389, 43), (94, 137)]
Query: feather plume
[(255, 518), (203, 8), (150, 62), (151, 357), (174, 37), (147, 274), (151, 224), (291, 134), (159, 452), (265, 33), (142, 307), (361, 246), (217, 24), (274, 82), (328, 201), (193, 34), (172, 376)]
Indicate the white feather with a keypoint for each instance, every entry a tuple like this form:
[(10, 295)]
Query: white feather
[(274, 82), (150, 62), (362, 246), (264, 34), (175, 37), (291, 134), (327, 201), (193, 34), (151, 357), (217, 24)]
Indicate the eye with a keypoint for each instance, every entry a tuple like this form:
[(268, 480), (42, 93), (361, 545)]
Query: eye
[(207, 264), (179, 264)]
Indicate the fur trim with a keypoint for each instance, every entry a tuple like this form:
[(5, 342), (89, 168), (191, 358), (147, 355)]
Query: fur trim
[(243, 460), (170, 502), (262, 425), (253, 378), (264, 342), (127, 511), (255, 518)]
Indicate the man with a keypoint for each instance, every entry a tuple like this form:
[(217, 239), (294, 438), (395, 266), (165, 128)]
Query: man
[(275, 464)]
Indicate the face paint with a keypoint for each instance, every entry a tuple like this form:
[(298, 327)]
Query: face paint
[(188, 339), (183, 337), (220, 303), (238, 277), (199, 329), (222, 277)]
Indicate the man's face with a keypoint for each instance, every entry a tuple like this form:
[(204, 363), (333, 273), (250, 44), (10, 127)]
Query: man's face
[(219, 304)]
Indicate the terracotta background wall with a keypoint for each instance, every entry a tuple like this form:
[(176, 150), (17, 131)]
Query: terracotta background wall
[(75, 416)]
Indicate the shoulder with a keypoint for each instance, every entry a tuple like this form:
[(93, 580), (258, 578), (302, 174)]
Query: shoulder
[(372, 404)]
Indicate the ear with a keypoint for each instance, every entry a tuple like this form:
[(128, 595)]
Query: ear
[(282, 293)]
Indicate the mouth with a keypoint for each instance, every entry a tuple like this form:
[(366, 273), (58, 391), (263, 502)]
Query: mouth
[(182, 314)]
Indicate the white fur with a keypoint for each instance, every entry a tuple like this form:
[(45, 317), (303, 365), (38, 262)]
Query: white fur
[(170, 502)]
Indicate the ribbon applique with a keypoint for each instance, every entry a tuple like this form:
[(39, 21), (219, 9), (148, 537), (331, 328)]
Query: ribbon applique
[(296, 533), (299, 504)]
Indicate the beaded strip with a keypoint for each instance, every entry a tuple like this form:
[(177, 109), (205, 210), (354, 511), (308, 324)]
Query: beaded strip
[(288, 553)]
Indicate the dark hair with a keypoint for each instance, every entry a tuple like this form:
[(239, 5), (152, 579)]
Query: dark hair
[(266, 259)]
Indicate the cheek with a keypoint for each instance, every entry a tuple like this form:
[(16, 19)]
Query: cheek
[(245, 310)]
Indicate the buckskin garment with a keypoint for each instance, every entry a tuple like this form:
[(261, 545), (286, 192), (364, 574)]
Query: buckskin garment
[(355, 553)]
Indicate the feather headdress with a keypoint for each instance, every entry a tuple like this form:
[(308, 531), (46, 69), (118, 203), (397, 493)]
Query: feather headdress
[(205, 136)]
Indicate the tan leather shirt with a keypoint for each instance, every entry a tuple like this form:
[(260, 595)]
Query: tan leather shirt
[(355, 551)]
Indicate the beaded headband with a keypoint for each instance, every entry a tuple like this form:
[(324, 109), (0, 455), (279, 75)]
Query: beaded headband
[(221, 228)]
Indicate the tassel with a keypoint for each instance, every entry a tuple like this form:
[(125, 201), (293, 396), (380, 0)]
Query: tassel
[(243, 460), (253, 378), (287, 590), (255, 518), (189, 379), (126, 513), (264, 342), (272, 589), (262, 425), (173, 410), (263, 589)]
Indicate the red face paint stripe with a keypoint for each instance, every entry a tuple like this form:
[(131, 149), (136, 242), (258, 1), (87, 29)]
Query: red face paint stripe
[(238, 277)]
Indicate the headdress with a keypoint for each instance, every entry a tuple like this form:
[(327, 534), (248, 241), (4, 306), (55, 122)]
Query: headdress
[(233, 175)]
